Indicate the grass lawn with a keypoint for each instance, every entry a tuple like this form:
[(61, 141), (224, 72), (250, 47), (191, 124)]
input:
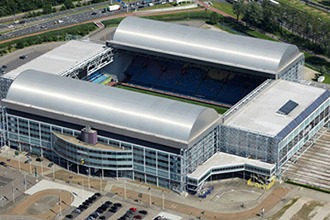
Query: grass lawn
[(327, 79), (225, 7), (219, 109)]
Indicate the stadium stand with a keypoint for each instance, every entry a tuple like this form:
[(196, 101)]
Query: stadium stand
[(190, 80)]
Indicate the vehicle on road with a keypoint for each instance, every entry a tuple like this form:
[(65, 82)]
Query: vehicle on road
[(114, 7)]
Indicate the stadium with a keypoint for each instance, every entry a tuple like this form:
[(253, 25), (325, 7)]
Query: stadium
[(124, 109)]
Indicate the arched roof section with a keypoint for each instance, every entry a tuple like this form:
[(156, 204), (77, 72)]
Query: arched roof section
[(137, 112), (289, 54), (206, 45)]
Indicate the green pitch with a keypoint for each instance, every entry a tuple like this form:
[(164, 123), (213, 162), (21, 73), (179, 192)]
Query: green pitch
[(219, 109)]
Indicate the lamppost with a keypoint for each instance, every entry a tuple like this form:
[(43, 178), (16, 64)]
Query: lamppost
[(149, 196), (13, 193), (53, 171), (42, 163), (25, 182), (163, 199), (2, 197), (59, 203), (19, 157), (125, 189)]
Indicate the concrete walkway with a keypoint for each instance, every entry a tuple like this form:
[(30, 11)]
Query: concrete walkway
[(294, 209)]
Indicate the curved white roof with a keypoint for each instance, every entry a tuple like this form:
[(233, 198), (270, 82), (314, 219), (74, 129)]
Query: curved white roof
[(122, 109), (206, 45), (61, 58)]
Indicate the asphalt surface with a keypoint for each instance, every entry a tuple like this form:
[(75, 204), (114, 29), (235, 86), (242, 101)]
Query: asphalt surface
[(12, 60), (63, 18)]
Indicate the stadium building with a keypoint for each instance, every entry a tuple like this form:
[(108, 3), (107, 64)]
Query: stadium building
[(89, 126)]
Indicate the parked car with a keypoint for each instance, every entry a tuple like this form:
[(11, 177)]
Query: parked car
[(133, 209), (22, 57), (77, 211), (69, 216), (3, 164), (97, 194), (113, 209), (105, 206), (143, 212), (118, 205), (108, 202), (95, 214)]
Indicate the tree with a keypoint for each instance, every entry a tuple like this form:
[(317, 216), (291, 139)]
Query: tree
[(253, 14), (238, 8), (323, 70), (19, 45), (214, 18), (270, 15), (47, 9), (68, 4)]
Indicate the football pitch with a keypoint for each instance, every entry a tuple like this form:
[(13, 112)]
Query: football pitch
[(219, 109)]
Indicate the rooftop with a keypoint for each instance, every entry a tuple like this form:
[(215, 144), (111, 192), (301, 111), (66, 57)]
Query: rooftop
[(261, 114), (220, 159), (76, 141), (60, 59), (119, 111), (216, 47)]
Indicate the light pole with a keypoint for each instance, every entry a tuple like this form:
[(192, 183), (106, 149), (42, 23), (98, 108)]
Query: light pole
[(25, 182), (163, 199), (149, 196), (100, 183), (42, 167), (60, 206), (89, 172), (125, 189), (82, 184), (2, 197), (30, 162), (53, 171), (19, 157), (13, 193)]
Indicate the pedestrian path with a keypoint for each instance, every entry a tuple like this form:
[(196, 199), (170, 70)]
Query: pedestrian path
[(289, 213), (79, 194)]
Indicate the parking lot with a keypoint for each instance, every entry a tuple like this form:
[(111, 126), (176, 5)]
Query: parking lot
[(110, 206)]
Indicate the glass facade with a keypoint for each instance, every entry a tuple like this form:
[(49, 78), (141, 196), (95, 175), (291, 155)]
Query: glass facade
[(247, 144), (122, 159), (294, 73), (91, 156), (318, 117), (155, 164), (285, 144)]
